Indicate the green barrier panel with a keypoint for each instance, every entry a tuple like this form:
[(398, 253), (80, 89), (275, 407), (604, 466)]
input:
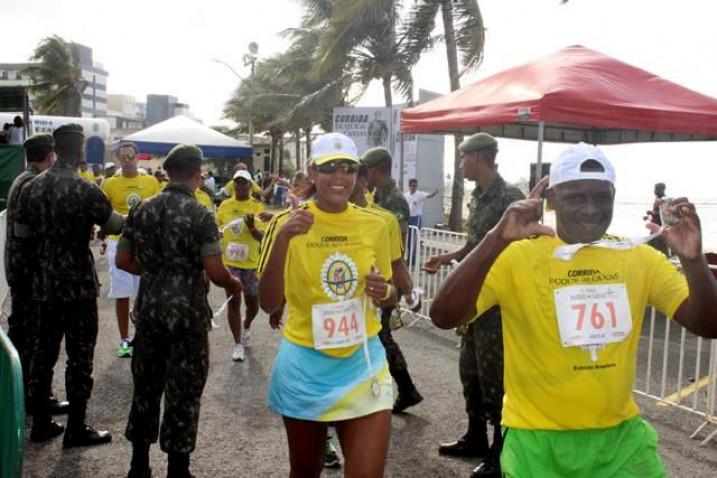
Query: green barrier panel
[(12, 410), (12, 163)]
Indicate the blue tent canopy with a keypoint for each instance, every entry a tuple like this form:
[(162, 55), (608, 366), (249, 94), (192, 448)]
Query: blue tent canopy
[(160, 138)]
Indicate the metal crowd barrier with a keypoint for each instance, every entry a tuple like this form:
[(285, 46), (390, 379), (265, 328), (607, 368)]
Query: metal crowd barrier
[(682, 376)]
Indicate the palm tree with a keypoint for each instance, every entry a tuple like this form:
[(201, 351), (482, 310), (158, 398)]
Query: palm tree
[(57, 77), (360, 39), (463, 31)]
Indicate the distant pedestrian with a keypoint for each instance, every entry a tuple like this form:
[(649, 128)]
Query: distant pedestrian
[(56, 213), (170, 240), (415, 200), (16, 133)]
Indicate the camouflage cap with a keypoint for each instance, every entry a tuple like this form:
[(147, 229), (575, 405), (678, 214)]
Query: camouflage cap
[(181, 153), (478, 142), (71, 128), (39, 140), (376, 155)]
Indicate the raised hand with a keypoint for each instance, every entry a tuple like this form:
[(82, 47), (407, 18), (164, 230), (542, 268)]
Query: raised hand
[(685, 237), (300, 220), (522, 218)]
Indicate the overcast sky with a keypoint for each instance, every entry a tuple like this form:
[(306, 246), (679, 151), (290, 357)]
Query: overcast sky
[(167, 47)]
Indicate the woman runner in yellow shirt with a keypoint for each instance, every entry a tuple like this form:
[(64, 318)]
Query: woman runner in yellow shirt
[(331, 261)]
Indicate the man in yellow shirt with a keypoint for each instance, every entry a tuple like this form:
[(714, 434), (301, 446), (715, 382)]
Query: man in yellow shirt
[(228, 190), (573, 302), (85, 173), (241, 222), (125, 191)]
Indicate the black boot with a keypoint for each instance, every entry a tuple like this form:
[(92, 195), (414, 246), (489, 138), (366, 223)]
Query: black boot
[(59, 407), (139, 468), (408, 395), (490, 468), (473, 444), (43, 427), (178, 465), (78, 432)]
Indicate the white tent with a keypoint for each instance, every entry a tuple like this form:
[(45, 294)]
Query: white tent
[(162, 137)]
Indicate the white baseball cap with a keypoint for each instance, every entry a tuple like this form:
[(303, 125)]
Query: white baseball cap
[(569, 163), (242, 173), (333, 146), (109, 164)]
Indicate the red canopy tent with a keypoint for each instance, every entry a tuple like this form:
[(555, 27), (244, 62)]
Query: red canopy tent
[(576, 94)]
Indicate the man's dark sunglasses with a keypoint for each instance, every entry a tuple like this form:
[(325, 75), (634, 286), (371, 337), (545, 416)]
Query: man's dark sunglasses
[(333, 166)]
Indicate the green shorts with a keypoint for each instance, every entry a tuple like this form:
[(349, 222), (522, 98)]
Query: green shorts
[(626, 450)]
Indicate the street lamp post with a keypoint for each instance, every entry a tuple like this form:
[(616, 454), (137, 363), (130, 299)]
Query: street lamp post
[(249, 58)]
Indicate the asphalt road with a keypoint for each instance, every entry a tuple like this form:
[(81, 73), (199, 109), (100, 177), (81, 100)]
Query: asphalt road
[(239, 436)]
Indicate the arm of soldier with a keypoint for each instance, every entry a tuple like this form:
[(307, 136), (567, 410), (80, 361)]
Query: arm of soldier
[(401, 278), (207, 235), (125, 259), (698, 313), (435, 262), (455, 302)]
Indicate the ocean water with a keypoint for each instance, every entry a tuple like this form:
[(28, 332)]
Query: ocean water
[(627, 220)]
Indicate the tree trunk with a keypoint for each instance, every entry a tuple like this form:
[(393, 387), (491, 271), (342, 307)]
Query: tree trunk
[(281, 154), (387, 97), (272, 154), (307, 133), (455, 221), (297, 137)]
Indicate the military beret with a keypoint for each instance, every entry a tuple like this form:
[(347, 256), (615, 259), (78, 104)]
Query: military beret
[(181, 153), (478, 142), (39, 140), (374, 156), (71, 128)]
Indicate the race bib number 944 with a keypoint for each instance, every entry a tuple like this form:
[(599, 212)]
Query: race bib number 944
[(338, 324), (593, 314)]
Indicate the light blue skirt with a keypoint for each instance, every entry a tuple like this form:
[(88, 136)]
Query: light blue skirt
[(309, 385)]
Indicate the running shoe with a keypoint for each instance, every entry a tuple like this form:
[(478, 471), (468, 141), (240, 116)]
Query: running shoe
[(238, 353), (331, 457), (245, 336), (125, 349)]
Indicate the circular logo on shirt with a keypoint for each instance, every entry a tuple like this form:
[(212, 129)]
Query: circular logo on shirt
[(133, 199), (339, 276)]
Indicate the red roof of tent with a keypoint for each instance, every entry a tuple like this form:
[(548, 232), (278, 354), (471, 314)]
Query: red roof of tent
[(581, 95)]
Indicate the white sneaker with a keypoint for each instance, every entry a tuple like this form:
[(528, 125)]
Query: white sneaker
[(238, 353), (245, 336)]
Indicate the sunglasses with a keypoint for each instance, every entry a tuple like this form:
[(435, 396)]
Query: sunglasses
[(333, 166)]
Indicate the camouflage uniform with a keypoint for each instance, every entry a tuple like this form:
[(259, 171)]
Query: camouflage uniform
[(389, 197), (168, 235), (56, 212), (19, 269), (481, 356)]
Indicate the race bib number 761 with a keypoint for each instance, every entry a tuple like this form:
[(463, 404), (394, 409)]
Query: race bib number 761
[(593, 314)]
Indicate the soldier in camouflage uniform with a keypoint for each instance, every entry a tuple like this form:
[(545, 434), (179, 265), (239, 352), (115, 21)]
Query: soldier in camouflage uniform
[(56, 213), (169, 240), (481, 357), (388, 196), (20, 266)]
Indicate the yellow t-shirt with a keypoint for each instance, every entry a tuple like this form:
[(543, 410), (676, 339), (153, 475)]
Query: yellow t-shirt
[(229, 188), (329, 264), (126, 192), (239, 247), (369, 197), (551, 387), (394, 230), (87, 175), (203, 199)]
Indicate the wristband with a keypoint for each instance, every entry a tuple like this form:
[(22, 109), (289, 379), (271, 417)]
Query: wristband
[(388, 293)]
